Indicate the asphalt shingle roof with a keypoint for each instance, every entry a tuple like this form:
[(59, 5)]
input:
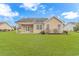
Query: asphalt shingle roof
[(38, 20), (32, 20)]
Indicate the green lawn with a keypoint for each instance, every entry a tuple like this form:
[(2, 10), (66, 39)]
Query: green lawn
[(12, 44)]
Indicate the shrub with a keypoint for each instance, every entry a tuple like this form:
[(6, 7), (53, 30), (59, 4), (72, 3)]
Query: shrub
[(65, 32), (42, 32), (76, 28)]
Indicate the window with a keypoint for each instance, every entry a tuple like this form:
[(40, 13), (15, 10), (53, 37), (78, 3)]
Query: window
[(59, 25), (39, 27), (47, 26), (27, 28)]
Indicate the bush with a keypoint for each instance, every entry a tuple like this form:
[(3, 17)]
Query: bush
[(76, 29), (42, 32), (65, 32)]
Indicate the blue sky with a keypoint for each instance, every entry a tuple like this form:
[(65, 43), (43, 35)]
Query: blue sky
[(12, 12)]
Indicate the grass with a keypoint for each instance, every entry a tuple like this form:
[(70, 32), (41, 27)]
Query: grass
[(12, 44)]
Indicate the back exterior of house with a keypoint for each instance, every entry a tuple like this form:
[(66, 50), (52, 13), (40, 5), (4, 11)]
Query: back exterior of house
[(36, 25)]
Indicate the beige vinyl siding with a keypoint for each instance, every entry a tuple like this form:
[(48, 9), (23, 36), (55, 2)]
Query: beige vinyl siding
[(54, 25), (38, 28)]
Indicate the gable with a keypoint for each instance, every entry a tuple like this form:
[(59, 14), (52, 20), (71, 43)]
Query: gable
[(5, 26), (55, 21)]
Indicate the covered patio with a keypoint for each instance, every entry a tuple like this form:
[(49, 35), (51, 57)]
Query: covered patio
[(25, 28)]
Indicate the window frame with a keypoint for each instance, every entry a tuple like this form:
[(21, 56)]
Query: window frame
[(39, 26)]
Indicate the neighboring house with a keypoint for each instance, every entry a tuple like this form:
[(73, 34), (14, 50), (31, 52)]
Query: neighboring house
[(5, 27), (70, 26), (36, 25)]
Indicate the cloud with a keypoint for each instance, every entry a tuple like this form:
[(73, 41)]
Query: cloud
[(7, 14), (42, 6), (37, 7), (30, 6), (47, 11), (70, 15), (6, 11), (50, 9), (43, 9)]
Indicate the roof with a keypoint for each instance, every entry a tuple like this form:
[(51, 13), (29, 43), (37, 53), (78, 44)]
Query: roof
[(32, 20), (5, 23), (38, 20), (71, 23), (2, 22)]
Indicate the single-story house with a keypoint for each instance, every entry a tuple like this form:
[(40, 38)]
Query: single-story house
[(70, 26), (36, 25), (5, 27)]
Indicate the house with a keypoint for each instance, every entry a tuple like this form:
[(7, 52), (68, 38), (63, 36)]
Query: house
[(5, 27), (70, 26), (36, 25)]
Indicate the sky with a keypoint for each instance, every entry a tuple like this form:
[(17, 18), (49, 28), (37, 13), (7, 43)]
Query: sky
[(12, 12)]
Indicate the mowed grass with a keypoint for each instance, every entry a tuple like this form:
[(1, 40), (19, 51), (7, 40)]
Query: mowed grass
[(12, 44)]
